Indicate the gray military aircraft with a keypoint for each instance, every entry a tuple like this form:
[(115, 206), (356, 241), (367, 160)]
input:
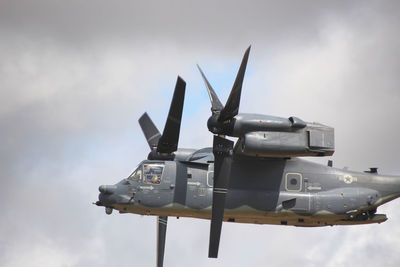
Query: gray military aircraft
[(261, 179)]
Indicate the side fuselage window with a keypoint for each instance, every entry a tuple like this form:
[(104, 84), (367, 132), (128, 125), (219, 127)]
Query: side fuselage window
[(293, 182), (152, 173)]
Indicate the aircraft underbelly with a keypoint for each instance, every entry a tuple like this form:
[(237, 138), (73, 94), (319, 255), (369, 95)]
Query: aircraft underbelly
[(259, 207), (247, 214)]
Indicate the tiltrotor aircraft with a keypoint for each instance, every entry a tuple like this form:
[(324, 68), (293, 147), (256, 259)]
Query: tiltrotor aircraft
[(261, 179)]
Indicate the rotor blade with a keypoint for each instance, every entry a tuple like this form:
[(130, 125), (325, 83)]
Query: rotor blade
[(168, 142), (161, 233), (222, 149), (231, 108), (215, 103), (150, 131)]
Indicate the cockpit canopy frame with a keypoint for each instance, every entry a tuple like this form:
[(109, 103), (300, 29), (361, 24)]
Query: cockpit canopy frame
[(148, 172)]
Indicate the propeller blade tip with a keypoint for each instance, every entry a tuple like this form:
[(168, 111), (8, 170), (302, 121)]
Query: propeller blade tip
[(201, 71), (143, 115), (180, 79)]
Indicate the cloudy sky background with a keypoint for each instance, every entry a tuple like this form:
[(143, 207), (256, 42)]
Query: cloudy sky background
[(75, 77)]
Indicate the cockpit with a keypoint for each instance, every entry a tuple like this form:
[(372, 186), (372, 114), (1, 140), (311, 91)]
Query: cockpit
[(149, 173)]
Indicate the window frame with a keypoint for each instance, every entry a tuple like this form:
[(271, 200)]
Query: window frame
[(145, 180), (300, 180), (138, 168)]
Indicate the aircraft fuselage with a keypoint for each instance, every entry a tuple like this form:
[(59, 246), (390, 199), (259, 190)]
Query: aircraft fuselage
[(261, 190)]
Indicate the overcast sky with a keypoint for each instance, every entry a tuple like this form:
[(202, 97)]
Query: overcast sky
[(76, 75)]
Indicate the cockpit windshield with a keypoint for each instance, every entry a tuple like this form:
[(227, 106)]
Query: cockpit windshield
[(150, 173), (137, 174)]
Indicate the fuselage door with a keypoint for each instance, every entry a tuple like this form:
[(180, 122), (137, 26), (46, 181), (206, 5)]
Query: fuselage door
[(299, 200)]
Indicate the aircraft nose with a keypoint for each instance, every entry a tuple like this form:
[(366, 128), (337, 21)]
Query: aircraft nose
[(107, 189), (111, 195), (107, 196), (106, 199)]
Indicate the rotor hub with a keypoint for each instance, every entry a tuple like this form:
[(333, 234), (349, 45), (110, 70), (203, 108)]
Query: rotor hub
[(221, 128)]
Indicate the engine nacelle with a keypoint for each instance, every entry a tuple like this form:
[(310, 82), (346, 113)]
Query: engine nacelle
[(245, 123), (310, 141)]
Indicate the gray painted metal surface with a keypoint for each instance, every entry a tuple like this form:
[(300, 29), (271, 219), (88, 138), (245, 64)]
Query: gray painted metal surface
[(258, 189)]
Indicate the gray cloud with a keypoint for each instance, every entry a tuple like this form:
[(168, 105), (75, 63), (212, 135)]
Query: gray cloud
[(74, 78), (202, 24)]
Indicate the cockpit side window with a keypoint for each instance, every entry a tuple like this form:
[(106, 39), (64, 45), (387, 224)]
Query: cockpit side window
[(137, 174), (152, 173)]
